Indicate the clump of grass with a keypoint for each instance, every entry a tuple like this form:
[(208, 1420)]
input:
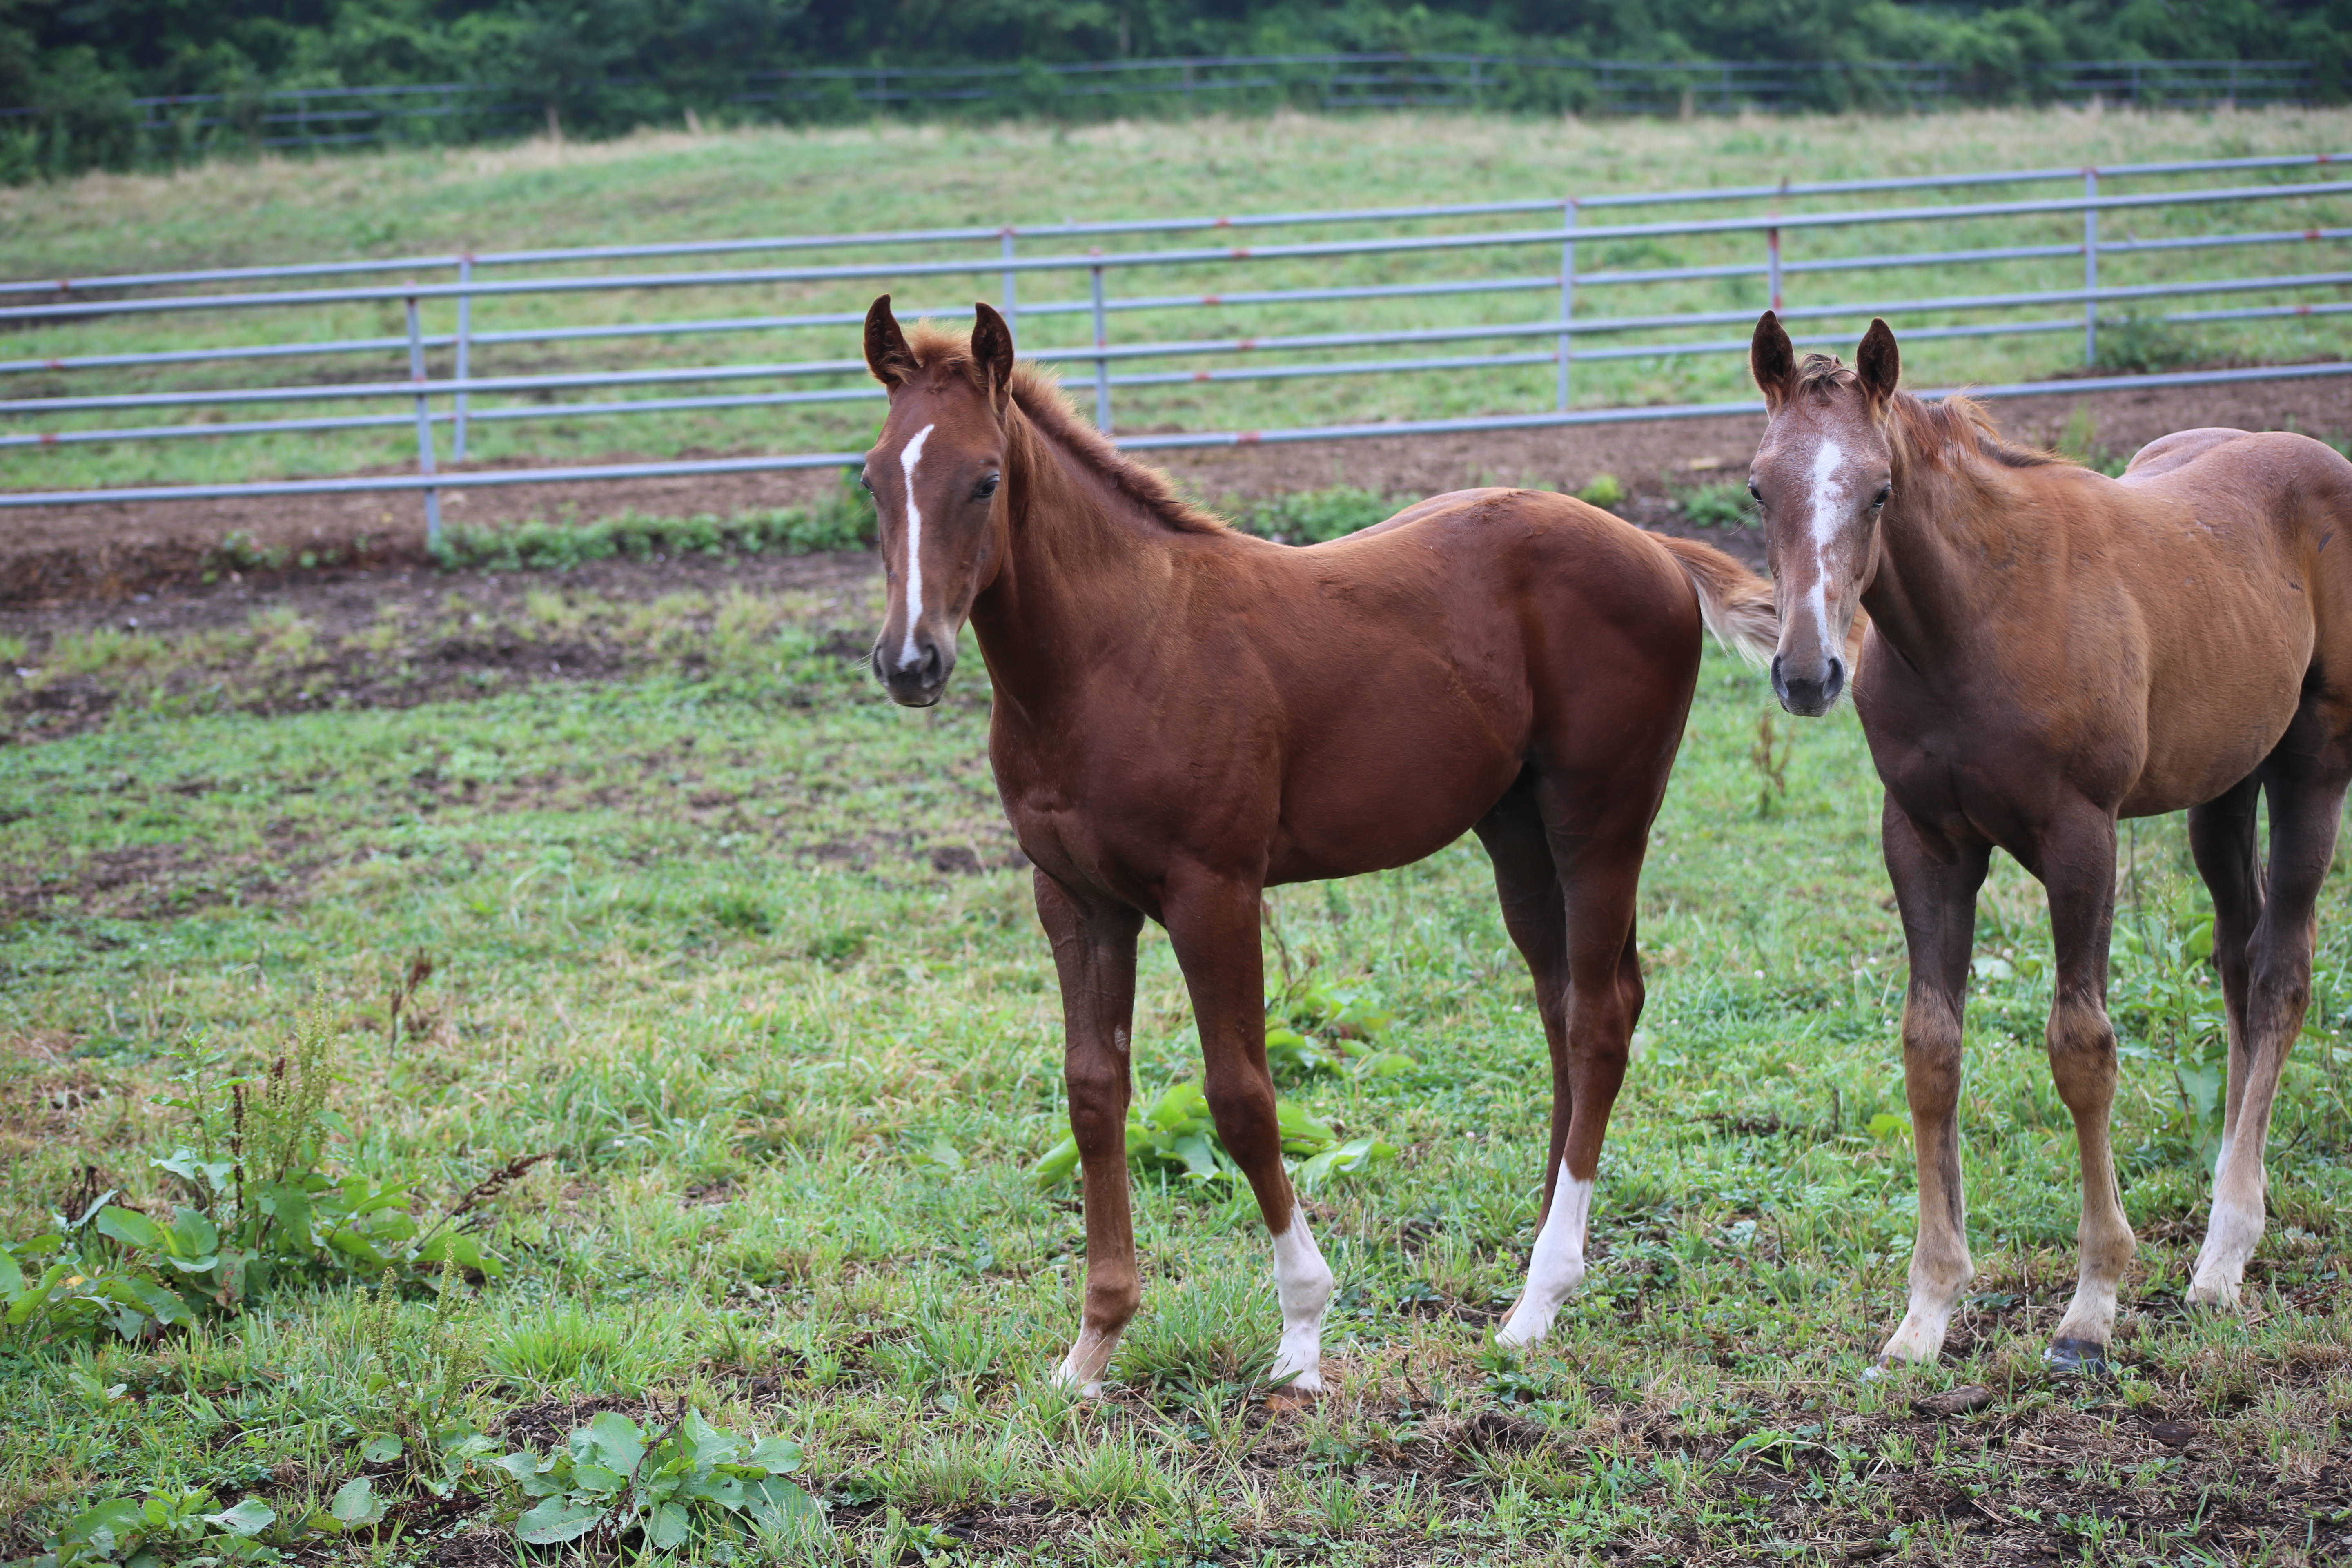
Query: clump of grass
[(2142, 345), (2079, 439), (1311, 517), (1726, 505), (844, 519)]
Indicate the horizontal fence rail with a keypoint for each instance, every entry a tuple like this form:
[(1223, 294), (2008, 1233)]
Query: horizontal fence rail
[(1169, 225), (1765, 223), (442, 406)]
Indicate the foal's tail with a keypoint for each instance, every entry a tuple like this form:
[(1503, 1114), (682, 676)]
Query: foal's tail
[(1735, 603)]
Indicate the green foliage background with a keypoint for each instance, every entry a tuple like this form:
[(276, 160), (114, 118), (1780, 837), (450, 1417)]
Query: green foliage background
[(605, 65)]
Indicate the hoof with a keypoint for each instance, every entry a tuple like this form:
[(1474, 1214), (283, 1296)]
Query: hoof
[(2080, 1358), (1297, 1389), (2212, 1298)]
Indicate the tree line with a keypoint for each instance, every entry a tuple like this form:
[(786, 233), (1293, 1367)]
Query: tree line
[(69, 68)]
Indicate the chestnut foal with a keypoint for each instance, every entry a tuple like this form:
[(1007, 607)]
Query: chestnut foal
[(2049, 649), (1184, 715)]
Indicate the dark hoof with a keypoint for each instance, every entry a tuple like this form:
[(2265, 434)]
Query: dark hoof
[(2082, 1358)]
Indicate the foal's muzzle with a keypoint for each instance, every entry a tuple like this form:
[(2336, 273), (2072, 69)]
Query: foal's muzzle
[(916, 683), (1809, 697)]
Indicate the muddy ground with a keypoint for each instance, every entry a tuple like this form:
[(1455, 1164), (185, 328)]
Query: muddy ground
[(112, 551)]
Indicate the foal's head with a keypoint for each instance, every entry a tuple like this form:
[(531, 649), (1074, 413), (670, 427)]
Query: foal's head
[(937, 478), (1823, 475)]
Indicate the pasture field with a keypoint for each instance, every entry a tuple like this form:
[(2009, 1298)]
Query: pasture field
[(670, 186), (737, 947)]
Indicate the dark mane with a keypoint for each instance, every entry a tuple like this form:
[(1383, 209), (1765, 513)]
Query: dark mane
[(1039, 397), (1928, 432)]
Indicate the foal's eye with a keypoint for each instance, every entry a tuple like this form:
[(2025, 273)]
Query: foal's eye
[(986, 488), (864, 483), (1884, 492), (1754, 491)]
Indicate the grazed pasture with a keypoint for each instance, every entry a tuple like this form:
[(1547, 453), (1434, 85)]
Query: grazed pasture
[(668, 187), (739, 946)]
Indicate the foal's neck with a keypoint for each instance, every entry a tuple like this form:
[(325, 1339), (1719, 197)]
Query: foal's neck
[(1930, 594), (1085, 568)]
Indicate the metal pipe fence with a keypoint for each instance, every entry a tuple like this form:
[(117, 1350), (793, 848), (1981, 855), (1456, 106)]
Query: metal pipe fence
[(1069, 230), (1789, 211)]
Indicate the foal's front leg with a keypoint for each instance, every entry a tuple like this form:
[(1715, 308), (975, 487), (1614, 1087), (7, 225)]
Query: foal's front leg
[(2077, 865), (1212, 924), (1935, 882), (1093, 955)]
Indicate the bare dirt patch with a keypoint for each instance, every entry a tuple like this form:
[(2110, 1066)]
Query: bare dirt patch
[(437, 654), (148, 881)]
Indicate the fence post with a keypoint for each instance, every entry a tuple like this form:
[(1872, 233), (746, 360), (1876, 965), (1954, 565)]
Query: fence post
[(465, 343), (1772, 253), (2089, 267), (1102, 366), (1567, 292), (424, 429), (1012, 298)]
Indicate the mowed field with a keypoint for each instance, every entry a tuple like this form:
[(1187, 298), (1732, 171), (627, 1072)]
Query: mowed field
[(671, 188), (686, 997)]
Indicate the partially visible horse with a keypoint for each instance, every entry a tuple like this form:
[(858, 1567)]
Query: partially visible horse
[(1184, 715), (2049, 649)]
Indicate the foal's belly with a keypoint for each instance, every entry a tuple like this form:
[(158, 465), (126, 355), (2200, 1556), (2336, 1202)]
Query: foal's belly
[(1342, 821)]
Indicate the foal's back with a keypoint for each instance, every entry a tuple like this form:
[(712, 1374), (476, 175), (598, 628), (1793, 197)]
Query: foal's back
[(1364, 701), (2166, 621)]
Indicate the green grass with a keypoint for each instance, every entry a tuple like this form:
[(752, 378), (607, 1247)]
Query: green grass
[(666, 186), (734, 940)]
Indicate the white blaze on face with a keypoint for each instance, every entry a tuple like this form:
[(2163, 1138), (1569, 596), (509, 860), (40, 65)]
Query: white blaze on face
[(1829, 497), (909, 456), (1302, 1283), (1556, 1268)]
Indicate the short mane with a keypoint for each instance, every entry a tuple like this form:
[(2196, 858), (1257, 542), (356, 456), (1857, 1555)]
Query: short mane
[(1929, 432), (1039, 396)]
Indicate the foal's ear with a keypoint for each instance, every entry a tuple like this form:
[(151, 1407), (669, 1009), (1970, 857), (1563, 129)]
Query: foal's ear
[(1772, 361), (1878, 365), (887, 353), (992, 351)]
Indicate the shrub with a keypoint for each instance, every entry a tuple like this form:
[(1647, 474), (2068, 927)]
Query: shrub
[(255, 1204), (1178, 1137), (2141, 345), (612, 1479), (145, 1532), (1311, 517), (1603, 491), (1718, 506), (842, 520)]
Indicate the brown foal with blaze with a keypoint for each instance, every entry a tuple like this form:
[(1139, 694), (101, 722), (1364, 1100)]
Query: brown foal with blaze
[(2049, 649), (1184, 715)]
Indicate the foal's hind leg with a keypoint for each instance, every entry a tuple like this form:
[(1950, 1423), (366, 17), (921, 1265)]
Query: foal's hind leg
[(2305, 779), (1212, 924), (2221, 837), (1093, 955), (1572, 918)]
